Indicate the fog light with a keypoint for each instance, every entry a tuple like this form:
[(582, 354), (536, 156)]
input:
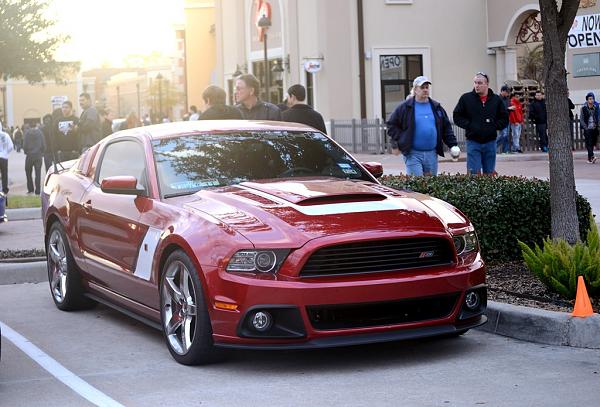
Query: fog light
[(472, 300), (262, 321)]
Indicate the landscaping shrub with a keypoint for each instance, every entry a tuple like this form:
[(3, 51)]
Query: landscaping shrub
[(502, 209), (559, 264)]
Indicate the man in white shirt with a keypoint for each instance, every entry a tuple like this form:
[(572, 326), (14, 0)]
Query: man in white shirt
[(6, 146)]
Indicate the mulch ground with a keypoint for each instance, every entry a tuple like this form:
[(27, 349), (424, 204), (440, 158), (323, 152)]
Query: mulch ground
[(513, 283)]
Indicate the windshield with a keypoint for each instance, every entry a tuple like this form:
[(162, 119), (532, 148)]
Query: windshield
[(186, 164)]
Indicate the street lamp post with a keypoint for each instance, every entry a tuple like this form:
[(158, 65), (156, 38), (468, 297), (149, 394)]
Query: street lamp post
[(159, 78), (264, 23)]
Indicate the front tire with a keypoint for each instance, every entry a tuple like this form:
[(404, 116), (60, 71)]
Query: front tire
[(63, 274), (184, 317)]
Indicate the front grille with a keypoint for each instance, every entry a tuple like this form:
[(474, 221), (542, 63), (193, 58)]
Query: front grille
[(324, 317), (378, 256)]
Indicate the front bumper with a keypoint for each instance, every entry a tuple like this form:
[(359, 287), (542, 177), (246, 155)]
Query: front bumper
[(298, 330)]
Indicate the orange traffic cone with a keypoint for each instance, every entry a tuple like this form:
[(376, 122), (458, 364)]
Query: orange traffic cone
[(583, 305)]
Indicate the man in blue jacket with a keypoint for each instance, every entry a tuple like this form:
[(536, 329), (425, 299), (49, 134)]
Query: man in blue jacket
[(418, 127), (481, 113)]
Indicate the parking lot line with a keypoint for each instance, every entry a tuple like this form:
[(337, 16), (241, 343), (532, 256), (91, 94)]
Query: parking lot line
[(57, 370)]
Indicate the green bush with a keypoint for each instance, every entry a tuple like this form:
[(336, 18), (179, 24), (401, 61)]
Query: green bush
[(559, 264), (502, 209)]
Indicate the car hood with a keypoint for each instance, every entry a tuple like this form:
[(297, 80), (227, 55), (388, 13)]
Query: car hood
[(292, 212)]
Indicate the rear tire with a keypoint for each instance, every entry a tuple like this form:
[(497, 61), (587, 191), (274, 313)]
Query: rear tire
[(184, 316), (63, 274)]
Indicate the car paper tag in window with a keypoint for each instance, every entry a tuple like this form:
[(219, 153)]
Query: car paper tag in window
[(195, 184), (347, 169)]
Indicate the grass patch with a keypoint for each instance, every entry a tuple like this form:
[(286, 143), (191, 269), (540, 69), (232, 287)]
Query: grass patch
[(24, 201)]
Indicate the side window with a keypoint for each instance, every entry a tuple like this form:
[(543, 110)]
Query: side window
[(123, 158)]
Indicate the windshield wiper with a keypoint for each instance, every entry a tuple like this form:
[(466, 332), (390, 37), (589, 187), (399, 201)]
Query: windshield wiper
[(176, 194)]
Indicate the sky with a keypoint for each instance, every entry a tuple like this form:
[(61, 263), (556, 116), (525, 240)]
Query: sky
[(106, 31)]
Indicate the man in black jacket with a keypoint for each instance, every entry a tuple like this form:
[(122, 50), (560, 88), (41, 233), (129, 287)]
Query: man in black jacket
[(300, 112), (590, 120), (34, 148), (417, 127), (214, 98), (538, 115), (247, 89), (481, 113)]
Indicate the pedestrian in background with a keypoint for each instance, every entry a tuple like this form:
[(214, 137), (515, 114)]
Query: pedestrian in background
[(47, 130), (247, 91), (515, 118), (105, 122), (89, 122), (18, 139), (131, 122), (6, 146), (589, 120), (571, 120), (481, 113), (418, 127), (539, 116), (299, 112), (194, 115), (216, 109), (34, 148), (503, 141), (66, 142)]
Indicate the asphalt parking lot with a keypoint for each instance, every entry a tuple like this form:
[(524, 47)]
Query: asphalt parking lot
[(127, 363)]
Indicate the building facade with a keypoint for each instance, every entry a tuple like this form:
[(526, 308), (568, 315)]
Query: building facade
[(351, 72)]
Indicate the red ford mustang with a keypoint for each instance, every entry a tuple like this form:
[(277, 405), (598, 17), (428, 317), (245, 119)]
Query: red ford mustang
[(256, 235)]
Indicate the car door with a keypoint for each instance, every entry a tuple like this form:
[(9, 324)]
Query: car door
[(108, 229)]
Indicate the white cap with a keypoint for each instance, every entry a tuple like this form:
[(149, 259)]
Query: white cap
[(421, 80)]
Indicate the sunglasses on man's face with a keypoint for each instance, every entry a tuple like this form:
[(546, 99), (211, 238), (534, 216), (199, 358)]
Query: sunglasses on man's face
[(483, 74)]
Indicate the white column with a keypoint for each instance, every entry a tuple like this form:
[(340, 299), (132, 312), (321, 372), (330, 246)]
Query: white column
[(500, 68), (510, 63)]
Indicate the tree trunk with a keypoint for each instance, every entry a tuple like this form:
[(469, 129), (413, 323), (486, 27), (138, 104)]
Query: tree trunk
[(555, 26)]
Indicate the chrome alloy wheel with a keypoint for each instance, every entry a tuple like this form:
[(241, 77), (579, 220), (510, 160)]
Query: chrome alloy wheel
[(57, 266), (179, 307)]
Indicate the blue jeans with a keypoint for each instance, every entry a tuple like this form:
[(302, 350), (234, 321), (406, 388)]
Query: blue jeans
[(421, 163), (502, 140), (516, 136), (481, 156)]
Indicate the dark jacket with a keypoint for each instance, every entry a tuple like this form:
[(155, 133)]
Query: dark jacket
[(304, 114), (90, 130), (537, 112), (221, 112), (481, 121), (401, 126), (260, 111), (584, 117), (33, 143), (65, 137)]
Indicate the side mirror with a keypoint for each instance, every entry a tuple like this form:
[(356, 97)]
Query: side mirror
[(123, 185), (376, 169)]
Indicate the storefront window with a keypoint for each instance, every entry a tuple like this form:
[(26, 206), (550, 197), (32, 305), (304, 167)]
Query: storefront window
[(276, 86), (397, 74)]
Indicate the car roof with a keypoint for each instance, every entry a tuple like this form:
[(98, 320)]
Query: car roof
[(168, 130)]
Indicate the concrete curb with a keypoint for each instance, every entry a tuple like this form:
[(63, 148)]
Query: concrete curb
[(541, 326), (528, 324), (24, 213), (19, 273)]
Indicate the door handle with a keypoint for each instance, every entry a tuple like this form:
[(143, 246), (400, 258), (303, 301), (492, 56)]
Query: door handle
[(87, 206)]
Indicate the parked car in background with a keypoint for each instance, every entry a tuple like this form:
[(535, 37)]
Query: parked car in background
[(263, 235)]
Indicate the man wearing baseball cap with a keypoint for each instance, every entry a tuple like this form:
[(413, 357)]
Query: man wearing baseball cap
[(418, 127), (481, 113)]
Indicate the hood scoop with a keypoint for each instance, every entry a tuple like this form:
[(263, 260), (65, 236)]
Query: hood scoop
[(341, 198)]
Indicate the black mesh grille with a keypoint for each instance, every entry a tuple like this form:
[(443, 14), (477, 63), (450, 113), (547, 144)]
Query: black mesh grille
[(378, 256), (384, 313)]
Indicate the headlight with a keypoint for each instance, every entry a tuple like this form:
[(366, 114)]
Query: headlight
[(466, 243), (262, 261)]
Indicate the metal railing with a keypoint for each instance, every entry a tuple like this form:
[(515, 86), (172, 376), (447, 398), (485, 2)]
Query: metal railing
[(369, 136)]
